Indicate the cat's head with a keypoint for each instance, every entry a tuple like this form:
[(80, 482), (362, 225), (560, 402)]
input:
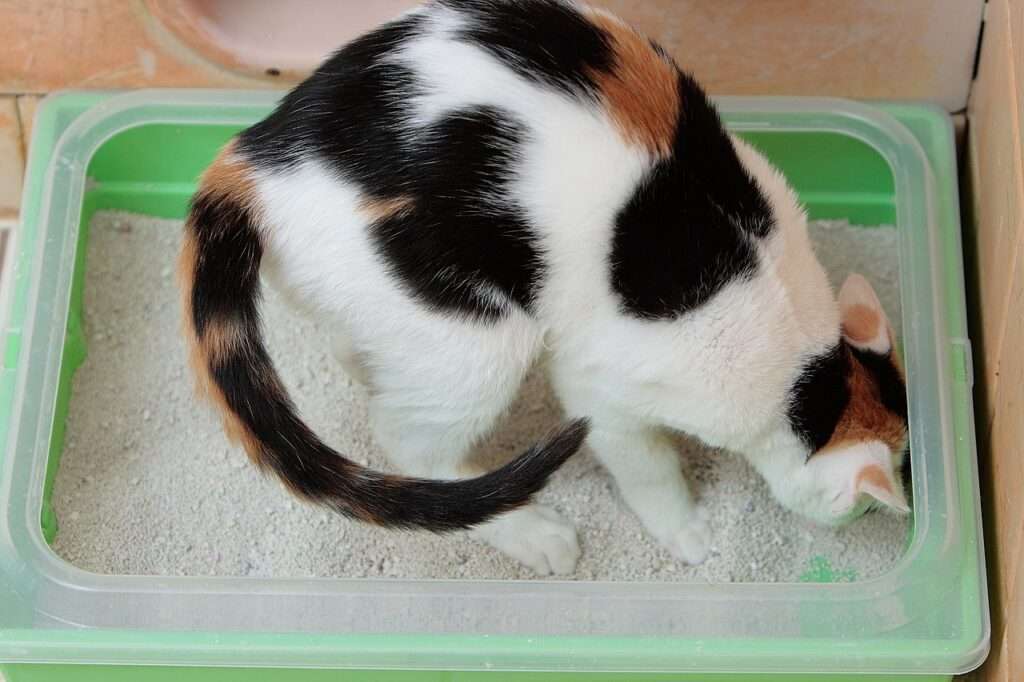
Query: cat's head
[(859, 459)]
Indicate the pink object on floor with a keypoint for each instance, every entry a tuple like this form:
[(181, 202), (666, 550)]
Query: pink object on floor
[(272, 38)]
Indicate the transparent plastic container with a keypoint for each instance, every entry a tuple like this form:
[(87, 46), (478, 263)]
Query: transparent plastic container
[(928, 615)]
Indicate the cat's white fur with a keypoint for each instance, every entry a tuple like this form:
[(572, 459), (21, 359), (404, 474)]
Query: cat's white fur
[(720, 372)]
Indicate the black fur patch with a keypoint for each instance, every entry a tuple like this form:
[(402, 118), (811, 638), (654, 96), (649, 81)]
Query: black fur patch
[(688, 229), (544, 40), (703, 146), (315, 471), (457, 242), (224, 234), (820, 395), (892, 392), (892, 389), (906, 476), (454, 248), (350, 112), (226, 286)]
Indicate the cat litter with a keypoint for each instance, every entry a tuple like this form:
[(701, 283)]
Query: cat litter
[(148, 483)]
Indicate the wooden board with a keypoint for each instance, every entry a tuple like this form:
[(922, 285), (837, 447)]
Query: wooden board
[(995, 198)]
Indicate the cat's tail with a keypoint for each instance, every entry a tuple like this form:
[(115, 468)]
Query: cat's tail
[(219, 273)]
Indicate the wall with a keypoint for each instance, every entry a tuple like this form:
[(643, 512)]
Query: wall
[(911, 49)]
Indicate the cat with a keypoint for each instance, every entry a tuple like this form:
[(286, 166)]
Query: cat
[(482, 185)]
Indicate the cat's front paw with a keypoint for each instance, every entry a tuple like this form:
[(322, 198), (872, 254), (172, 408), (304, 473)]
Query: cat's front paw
[(535, 536), (690, 542)]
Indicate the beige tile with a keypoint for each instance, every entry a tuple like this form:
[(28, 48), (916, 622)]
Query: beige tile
[(996, 178), (53, 44), (912, 49), (235, 34), (12, 162)]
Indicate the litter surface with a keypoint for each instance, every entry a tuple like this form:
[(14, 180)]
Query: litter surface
[(148, 484)]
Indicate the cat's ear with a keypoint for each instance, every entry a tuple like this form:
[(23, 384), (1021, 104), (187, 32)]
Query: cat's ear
[(878, 482), (864, 323)]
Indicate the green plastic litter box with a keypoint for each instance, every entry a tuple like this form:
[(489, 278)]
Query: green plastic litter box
[(142, 152)]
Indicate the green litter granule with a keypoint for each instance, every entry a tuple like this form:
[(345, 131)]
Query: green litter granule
[(821, 571)]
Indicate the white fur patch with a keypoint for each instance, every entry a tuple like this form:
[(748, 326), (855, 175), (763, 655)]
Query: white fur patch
[(721, 372)]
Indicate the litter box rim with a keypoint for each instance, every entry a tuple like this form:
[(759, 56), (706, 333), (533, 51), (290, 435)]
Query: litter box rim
[(947, 541)]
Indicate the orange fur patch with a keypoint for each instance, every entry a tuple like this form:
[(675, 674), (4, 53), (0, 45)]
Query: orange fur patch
[(231, 176), (865, 417), (221, 338), (228, 177), (376, 210), (641, 91), (861, 324)]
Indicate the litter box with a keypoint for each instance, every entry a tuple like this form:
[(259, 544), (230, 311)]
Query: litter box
[(142, 152)]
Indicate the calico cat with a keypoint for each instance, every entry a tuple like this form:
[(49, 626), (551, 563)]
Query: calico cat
[(480, 184)]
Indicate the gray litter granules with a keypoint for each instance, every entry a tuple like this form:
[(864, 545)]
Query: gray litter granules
[(148, 484)]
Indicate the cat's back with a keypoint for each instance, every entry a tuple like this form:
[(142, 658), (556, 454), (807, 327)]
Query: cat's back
[(516, 61), (535, 156), (469, 140)]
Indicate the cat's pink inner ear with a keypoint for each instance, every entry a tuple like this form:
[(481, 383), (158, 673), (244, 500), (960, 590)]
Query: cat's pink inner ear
[(864, 323), (880, 484)]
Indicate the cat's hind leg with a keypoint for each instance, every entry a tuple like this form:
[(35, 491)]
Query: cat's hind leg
[(644, 463), (435, 394)]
